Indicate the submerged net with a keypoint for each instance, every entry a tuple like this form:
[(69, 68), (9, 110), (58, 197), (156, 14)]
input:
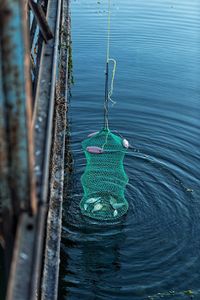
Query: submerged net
[(104, 179)]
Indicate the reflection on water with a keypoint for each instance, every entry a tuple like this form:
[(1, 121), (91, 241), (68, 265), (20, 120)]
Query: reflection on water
[(153, 252)]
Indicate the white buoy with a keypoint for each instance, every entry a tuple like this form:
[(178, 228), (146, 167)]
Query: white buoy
[(125, 143)]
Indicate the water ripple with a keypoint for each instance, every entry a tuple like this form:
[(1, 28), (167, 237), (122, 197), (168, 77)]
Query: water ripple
[(153, 251)]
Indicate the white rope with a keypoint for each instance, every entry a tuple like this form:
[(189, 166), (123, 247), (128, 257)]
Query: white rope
[(112, 80)]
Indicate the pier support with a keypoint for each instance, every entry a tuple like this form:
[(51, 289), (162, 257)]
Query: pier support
[(33, 104)]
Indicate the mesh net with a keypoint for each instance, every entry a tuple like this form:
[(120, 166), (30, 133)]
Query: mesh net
[(104, 179)]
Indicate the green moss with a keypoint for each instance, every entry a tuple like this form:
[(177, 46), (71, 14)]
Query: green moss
[(70, 65), (188, 292)]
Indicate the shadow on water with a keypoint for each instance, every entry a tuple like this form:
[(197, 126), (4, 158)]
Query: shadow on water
[(84, 268)]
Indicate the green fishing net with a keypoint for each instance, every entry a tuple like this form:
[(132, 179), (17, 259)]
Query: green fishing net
[(104, 178)]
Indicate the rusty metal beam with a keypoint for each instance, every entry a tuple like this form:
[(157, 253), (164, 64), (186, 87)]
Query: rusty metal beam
[(41, 20), (17, 94), (17, 175), (43, 125), (5, 199), (6, 210), (44, 101), (22, 265), (54, 221)]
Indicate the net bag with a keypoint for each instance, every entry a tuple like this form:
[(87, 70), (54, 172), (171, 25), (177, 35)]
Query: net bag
[(104, 178)]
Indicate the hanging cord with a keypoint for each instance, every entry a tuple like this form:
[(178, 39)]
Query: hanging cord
[(108, 92), (112, 80)]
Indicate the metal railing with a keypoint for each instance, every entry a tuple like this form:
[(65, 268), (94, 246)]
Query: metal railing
[(33, 77)]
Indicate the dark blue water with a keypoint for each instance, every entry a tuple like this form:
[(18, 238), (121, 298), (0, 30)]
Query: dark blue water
[(154, 251)]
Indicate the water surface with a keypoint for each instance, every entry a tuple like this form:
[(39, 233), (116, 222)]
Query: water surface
[(154, 251)]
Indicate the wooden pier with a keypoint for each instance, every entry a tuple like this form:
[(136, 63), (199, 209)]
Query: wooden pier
[(34, 53)]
